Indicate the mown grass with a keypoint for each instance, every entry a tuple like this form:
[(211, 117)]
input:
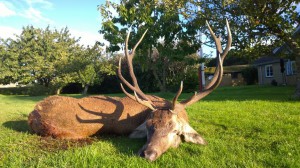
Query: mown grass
[(244, 127)]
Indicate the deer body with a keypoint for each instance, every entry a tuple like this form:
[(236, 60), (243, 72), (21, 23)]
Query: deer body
[(72, 118)]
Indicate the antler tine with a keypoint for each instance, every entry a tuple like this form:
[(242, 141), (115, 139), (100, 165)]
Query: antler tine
[(216, 39), (177, 95), (229, 41), (126, 93), (138, 43), (219, 68), (128, 84), (144, 102)]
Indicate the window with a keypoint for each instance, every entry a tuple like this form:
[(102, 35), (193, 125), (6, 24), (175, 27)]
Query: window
[(269, 71), (290, 67)]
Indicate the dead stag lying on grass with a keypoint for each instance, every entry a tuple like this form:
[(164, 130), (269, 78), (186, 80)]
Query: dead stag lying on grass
[(164, 123)]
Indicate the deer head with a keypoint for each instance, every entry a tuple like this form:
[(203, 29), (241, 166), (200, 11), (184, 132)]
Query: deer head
[(168, 126)]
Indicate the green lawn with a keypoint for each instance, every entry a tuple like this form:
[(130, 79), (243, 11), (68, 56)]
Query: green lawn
[(244, 127)]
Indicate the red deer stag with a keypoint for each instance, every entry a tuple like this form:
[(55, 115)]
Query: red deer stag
[(168, 125), (164, 123)]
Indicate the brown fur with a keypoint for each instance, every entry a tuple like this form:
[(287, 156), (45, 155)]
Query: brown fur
[(71, 118)]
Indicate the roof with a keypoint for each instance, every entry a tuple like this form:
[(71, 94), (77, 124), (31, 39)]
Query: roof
[(266, 60), (285, 46)]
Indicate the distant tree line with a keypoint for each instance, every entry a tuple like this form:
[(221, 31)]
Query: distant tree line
[(52, 59)]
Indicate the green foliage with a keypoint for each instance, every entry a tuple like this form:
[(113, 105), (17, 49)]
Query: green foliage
[(51, 58), (39, 56), (257, 26), (91, 66), (246, 126), (169, 20), (31, 90)]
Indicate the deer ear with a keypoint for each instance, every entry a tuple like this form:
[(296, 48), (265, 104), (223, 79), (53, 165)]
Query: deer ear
[(139, 132), (190, 135)]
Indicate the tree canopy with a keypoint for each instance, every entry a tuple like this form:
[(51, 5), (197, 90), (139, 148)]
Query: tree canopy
[(258, 27), (51, 58)]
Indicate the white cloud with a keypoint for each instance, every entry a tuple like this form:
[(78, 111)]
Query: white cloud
[(29, 9), (35, 15), (87, 38), (6, 10), (9, 32), (42, 3)]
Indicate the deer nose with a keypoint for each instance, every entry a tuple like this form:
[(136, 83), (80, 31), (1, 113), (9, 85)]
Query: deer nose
[(150, 155)]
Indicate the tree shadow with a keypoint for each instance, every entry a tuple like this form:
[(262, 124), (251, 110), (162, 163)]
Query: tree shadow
[(123, 144), (19, 126), (111, 122)]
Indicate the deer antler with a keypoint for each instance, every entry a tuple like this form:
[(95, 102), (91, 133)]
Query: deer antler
[(129, 58), (177, 95), (135, 87), (219, 68)]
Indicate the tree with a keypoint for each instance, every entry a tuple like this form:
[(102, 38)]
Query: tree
[(40, 56), (166, 20), (91, 66), (7, 64), (258, 23)]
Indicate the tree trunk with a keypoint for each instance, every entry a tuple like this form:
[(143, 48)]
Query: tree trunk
[(86, 87), (162, 88), (58, 91), (161, 82)]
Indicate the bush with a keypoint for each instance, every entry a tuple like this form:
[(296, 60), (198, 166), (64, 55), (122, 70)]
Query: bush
[(33, 90), (274, 82), (250, 75), (14, 90), (38, 90)]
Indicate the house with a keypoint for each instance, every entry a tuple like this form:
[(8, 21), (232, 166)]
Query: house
[(275, 71)]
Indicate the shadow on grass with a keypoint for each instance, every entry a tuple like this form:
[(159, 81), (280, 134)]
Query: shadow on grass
[(124, 144), (19, 126)]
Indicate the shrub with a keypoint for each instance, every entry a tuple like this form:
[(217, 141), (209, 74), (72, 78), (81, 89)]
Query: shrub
[(38, 90), (33, 90), (274, 82), (250, 75)]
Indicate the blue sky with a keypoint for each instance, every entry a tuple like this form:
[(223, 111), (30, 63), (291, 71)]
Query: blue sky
[(80, 16)]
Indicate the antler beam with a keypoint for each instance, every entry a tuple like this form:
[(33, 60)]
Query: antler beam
[(216, 80), (135, 87)]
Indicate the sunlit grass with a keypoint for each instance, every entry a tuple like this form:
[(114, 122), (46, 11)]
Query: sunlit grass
[(244, 127)]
